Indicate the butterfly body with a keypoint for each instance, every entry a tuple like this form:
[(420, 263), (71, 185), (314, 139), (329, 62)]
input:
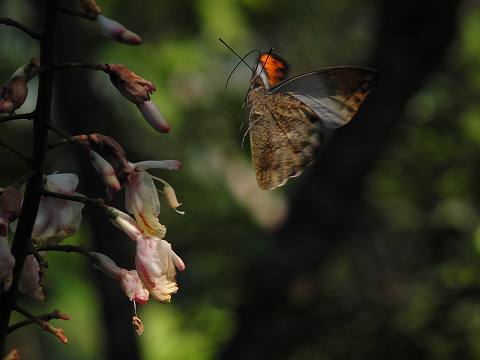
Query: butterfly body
[(288, 120)]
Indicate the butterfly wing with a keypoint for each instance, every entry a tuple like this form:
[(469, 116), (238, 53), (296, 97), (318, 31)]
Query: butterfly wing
[(272, 69), (284, 137), (334, 94)]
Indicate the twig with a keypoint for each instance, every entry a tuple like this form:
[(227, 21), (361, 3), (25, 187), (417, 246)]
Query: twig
[(55, 314), (63, 248), (82, 65), (88, 16), (42, 263), (25, 29), (27, 116), (15, 151), (42, 323), (77, 198), (60, 143)]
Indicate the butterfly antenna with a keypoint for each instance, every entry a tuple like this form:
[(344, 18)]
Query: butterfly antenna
[(229, 48), (238, 64)]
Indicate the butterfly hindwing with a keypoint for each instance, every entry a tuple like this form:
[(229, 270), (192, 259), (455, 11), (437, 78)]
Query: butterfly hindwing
[(334, 94), (284, 138)]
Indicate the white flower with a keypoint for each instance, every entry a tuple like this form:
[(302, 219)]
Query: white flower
[(30, 279), (57, 219)]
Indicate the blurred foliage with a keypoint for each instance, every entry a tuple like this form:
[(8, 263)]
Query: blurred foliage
[(416, 267)]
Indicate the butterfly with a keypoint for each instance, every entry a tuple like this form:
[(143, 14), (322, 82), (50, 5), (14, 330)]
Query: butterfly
[(289, 119)]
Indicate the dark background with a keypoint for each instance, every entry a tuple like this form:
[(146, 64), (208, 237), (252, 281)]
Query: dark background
[(374, 253)]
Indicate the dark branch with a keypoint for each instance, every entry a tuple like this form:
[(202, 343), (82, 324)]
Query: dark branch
[(55, 314), (81, 65), (15, 151), (77, 198), (25, 29), (27, 116), (62, 248), (42, 323)]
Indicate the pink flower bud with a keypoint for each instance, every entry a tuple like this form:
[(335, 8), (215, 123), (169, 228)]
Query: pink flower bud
[(12, 355), (104, 168), (10, 206), (152, 114), (131, 86), (116, 31)]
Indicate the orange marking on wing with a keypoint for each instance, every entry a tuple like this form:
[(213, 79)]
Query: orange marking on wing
[(274, 67)]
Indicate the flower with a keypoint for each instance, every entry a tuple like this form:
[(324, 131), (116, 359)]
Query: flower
[(116, 31), (131, 86), (57, 219), (155, 262), (131, 284), (141, 200), (30, 279)]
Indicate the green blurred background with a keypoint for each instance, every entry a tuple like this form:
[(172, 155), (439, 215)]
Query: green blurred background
[(374, 253)]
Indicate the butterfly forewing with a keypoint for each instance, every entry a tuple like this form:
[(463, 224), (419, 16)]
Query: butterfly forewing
[(334, 94)]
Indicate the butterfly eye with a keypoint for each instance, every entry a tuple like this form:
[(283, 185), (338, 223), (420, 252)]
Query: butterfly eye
[(272, 69)]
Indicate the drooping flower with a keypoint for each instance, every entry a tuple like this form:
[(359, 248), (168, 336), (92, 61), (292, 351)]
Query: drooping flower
[(30, 279), (155, 260), (116, 31), (156, 263), (131, 284), (57, 219), (141, 200)]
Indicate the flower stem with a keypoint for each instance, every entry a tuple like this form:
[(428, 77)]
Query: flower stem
[(55, 314), (77, 198), (15, 151), (25, 29), (33, 190), (63, 248), (76, 13), (81, 65), (27, 116)]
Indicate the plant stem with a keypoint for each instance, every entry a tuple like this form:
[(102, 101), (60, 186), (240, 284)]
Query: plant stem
[(55, 314), (15, 151), (26, 116), (63, 248), (81, 65), (22, 238), (77, 198), (25, 29)]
